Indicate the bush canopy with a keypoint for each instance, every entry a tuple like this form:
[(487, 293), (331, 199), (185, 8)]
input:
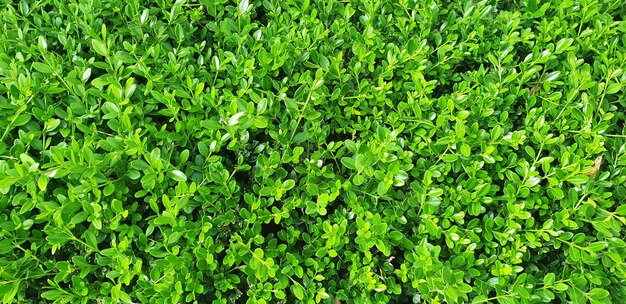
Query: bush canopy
[(312, 151)]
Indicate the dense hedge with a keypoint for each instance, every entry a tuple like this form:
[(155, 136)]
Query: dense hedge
[(281, 151)]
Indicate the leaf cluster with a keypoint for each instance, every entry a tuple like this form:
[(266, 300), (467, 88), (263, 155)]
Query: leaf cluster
[(313, 151)]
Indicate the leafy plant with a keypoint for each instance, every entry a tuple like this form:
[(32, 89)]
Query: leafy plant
[(265, 151)]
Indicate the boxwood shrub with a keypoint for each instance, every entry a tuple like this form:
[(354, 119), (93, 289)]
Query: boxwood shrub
[(312, 151)]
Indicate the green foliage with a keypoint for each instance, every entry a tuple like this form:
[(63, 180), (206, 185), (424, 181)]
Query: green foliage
[(270, 151)]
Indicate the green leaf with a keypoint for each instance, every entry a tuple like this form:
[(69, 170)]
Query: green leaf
[(614, 88), (91, 239), (449, 158), (164, 220), (465, 150), (42, 67), (480, 299), (42, 182), (598, 294), (451, 293), (289, 184), (57, 238), (548, 279), (297, 291), (562, 45), (460, 130), (578, 179), (100, 47), (42, 43), (178, 175), (139, 165), (9, 291), (21, 120), (53, 294), (348, 162), (382, 188), (489, 159), (8, 182), (243, 7), (560, 286), (395, 235)]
